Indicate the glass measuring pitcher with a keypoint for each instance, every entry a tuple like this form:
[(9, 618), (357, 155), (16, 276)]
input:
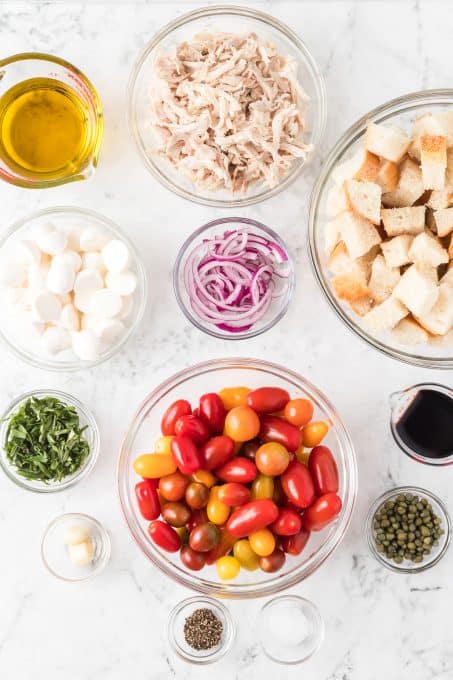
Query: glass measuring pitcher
[(51, 122), (421, 422)]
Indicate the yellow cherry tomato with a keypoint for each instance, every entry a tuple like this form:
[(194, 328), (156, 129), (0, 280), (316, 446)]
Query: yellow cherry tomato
[(234, 396), (203, 477), (302, 455), (262, 487), (163, 445), (227, 567), (245, 556), (242, 424), (217, 511), (154, 465), (314, 433), (262, 542)]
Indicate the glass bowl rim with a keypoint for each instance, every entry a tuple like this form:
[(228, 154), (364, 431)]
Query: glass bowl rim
[(141, 291), (81, 409), (304, 54), (276, 583), (383, 112), (387, 495), (190, 240)]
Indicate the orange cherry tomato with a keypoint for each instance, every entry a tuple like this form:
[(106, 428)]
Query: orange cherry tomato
[(262, 542), (298, 412), (234, 396), (272, 459), (203, 477), (218, 512), (314, 433), (154, 465), (242, 424), (173, 487)]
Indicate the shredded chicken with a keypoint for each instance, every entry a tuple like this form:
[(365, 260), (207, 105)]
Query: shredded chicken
[(227, 110)]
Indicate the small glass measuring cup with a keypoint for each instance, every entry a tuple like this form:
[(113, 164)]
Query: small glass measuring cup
[(31, 65), (399, 403)]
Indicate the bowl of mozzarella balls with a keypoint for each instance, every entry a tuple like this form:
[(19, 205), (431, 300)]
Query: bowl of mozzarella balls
[(72, 289)]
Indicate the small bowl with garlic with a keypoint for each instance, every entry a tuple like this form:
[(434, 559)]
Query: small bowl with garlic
[(72, 289), (75, 547)]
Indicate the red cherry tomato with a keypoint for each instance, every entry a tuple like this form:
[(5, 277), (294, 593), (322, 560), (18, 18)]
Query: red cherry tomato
[(204, 537), (324, 471), (191, 559), (216, 451), (185, 454), (275, 429), (267, 399), (298, 484), (197, 517), (241, 470), (273, 562), (322, 512), (299, 412), (287, 523), (173, 487), (233, 494), (147, 499), (293, 545), (164, 536), (212, 411), (252, 517), (197, 495), (193, 427), (179, 408), (176, 514)]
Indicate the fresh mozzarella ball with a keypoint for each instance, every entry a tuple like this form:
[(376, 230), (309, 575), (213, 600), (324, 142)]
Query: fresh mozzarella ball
[(92, 239), (88, 321), (127, 303), (70, 318), (55, 339), (123, 283), (116, 256), (12, 273), (37, 276), (105, 303), (52, 241), (73, 234), (46, 307), (88, 281), (85, 345), (76, 534), (93, 260), (81, 554), (82, 302), (108, 331), (28, 252), (60, 279), (69, 257)]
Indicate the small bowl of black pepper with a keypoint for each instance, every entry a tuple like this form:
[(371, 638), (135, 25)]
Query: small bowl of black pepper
[(408, 529), (200, 630)]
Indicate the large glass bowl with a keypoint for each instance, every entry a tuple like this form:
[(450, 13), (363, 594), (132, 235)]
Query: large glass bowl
[(190, 384), (400, 112), (222, 18)]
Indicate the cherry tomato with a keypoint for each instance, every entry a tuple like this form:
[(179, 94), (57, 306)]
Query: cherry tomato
[(272, 459), (322, 512), (237, 469), (275, 429), (185, 454), (212, 411), (314, 433), (163, 445), (173, 487), (218, 512), (293, 545), (164, 536), (233, 494), (249, 449), (288, 523), (298, 412), (179, 408), (273, 562), (262, 487), (197, 495), (234, 396), (197, 517), (262, 542), (227, 568), (267, 399), (193, 427), (226, 542), (278, 495), (147, 499), (191, 559), (298, 484), (203, 477), (176, 514), (252, 517), (323, 470), (242, 424), (154, 465), (244, 554), (216, 451), (204, 537)]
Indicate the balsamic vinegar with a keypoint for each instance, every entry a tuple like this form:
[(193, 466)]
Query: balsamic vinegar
[(426, 426)]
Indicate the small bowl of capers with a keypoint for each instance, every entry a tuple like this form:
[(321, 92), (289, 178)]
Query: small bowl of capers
[(408, 529)]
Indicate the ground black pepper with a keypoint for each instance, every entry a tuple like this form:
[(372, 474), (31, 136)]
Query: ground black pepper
[(202, 629)]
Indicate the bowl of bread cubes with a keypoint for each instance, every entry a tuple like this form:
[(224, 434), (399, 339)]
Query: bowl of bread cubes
[(381, 228)]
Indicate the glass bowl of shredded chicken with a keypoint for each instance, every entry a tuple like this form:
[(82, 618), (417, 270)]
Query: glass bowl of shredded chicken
[(226, 106)]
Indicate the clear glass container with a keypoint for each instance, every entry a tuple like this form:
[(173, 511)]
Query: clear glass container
[(211, 376), (400, 112), (408, 567), (91, 434), (20, 67), (290, 628), (223, 18), (54, 551), (279, 304), (25, 343), (175, 630)]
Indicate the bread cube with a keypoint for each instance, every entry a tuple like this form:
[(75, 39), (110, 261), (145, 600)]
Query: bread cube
[(433, 150), (364, 199), (418, 290), (409, 332), (439, 200), (383, 279), (385, 316), (363, 165), (336, 200), (410, 186), (340, 262), (396, 250), (362, 306), (427, 251), (403, 220), (449, 170), (388, 142), (443, 220), (358, 234), (439, 320), (388, 176), (350, 287), (426, 124), (446, 120)]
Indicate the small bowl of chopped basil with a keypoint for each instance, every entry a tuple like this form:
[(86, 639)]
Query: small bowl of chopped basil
[(408, 529), (49, 441)]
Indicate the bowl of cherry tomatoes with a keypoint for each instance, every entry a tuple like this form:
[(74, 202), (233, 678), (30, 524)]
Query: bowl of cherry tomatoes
[(237, 478)]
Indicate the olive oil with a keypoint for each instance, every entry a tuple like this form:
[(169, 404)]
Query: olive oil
[(45, 129)]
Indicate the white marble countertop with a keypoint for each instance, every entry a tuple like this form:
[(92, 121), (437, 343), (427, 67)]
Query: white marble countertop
[(378, 625)]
